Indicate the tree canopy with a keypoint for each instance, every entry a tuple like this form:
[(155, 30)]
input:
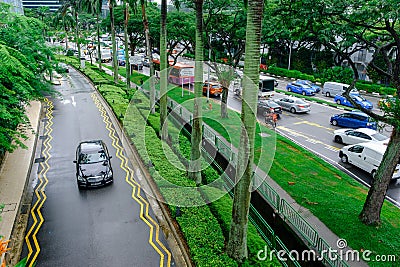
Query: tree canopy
[(24, 58)]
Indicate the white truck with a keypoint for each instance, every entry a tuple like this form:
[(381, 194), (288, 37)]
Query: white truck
[(106, 55)]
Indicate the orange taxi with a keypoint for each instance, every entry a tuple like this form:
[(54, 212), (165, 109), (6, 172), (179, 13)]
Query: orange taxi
[(215, 88)]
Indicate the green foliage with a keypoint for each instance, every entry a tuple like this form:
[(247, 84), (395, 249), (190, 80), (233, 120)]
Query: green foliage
[(23, 57), (69, 53), (337, 74), (289, 73)]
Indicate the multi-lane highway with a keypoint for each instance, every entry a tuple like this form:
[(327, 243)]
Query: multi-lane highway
[(314, 132)]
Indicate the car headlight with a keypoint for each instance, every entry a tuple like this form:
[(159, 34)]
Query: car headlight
[(109, 174), (80, 178)]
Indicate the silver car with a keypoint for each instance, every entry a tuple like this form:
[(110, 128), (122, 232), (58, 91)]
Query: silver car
[(293, 104)]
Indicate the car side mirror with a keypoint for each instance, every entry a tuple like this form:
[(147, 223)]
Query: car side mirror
[(74, 161), (110, 157)]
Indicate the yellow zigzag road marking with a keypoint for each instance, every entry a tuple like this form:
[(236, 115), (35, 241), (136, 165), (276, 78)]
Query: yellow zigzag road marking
[(39, 191), (144, 215)]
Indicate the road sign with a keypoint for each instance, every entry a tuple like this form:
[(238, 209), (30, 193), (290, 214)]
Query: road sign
[(135, 60)]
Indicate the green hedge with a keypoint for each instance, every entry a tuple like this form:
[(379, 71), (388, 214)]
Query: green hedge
[(375, 88), (289, 73)]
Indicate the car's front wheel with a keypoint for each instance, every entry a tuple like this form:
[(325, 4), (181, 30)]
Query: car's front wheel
[(334, 123), (293, 110), (328, 94), (303, 93), (373, 173), (338, 139), (289, 89), (338, 102), (344, 158)]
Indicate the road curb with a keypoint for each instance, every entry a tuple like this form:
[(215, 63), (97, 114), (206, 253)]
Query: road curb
[(16, 229)]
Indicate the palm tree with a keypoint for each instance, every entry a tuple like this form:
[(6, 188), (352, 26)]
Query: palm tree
[(66, 21), (237, 243), (111, 4), (149, 55), (195, 152), (126, 44), (163, 71), (74, 6), (94, 7)]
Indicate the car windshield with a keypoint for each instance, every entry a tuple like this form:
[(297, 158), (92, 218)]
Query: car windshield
[(272, 104), (299, 101), (379, 137), (359, 98), (306, 86), (92, 157)]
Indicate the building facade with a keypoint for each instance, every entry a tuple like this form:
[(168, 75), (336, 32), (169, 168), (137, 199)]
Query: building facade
[(52, 4), (16, 5)]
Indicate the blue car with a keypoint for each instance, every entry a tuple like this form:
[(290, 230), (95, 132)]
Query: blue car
[(298, 88), (313, 85), (353, 119), (341, 100)]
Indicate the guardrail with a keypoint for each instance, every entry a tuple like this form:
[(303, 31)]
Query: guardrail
[(282, 207)]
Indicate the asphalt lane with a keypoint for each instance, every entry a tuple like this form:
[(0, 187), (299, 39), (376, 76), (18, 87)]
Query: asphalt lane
[(94, 227)]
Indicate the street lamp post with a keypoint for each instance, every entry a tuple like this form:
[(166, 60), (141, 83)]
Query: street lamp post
[(208, 75), (290, 54)]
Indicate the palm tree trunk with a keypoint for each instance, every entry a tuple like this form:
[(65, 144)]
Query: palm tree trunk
[(195, 152), (66, 39), (163, 72), (77, 36), (114, 46), (149, 56), (224, 102), (127, 65), (237, 243), (98, 40), (371, 211)]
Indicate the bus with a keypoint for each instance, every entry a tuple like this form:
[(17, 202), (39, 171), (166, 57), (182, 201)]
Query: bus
[(181, 73), (266, 86)]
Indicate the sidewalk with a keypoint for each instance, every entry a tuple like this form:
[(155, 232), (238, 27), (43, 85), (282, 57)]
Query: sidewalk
[(14, 174)]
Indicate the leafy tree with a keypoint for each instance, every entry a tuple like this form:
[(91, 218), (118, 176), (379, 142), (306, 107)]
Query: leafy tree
[(24, 58), (237, 243), (348, 27), (181, 28)]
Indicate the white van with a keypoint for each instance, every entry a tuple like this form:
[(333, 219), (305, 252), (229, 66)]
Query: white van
[(334, 88), (366, 156)]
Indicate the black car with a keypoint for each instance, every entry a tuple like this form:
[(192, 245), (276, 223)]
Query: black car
[(93, 165), (268, 106)]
